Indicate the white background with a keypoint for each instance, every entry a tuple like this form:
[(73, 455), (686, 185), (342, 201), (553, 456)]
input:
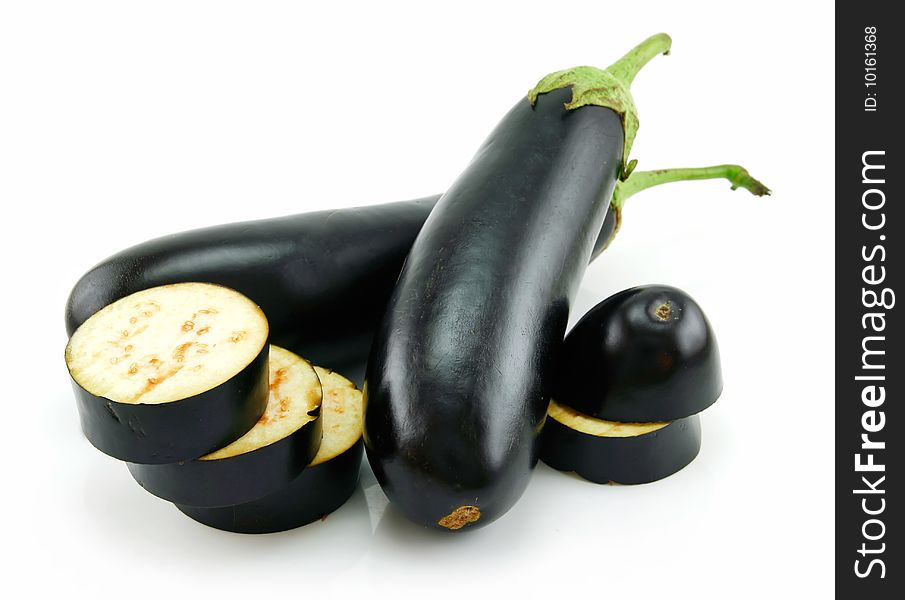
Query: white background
[(123, 121)]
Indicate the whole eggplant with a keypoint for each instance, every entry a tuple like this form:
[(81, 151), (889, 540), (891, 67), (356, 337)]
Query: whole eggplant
[(459, 375)]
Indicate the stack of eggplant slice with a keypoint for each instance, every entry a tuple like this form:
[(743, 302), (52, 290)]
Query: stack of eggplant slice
[(181, 383), (636, 370), (328, 480)]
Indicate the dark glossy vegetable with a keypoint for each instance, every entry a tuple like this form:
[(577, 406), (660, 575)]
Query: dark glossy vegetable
[(321, 488), (170, 373), (459, 376), (307, 271), (267, 458), (652, 353), (627, 453), (321, 278)]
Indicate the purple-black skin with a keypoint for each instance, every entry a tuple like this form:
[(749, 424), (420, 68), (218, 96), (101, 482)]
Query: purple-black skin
[(461, 368), (236, 479), (315, 493), (156, 434), (645, 354), (626, 460), (322, 278)]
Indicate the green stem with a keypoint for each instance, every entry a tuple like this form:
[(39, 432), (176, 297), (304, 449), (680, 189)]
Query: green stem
[(628, 66), (736, 175), (609, 88)]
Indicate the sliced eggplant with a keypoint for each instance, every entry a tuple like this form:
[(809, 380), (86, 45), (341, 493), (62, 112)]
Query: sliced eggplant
[(268, 457), (610, 452), (653, 354), (170, 373), (321, 488)]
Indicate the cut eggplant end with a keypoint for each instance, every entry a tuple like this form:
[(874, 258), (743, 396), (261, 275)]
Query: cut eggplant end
[(653, 353), (170, 373), (326, 484), (609, 452), (267, 458)]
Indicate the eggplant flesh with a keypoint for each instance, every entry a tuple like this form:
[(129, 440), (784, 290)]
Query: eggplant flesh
[(328, 481), (268, 457), (624, 453), (171, 373), (459, 374)]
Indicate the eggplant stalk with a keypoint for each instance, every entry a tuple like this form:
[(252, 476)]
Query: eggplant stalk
[(736, 175)]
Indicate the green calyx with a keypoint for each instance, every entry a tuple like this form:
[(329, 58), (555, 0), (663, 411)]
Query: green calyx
[(609, 88)]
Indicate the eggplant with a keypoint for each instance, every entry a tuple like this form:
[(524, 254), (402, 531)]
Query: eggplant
[(458, 379), (610, 452), (652, 353), (307, 271), (325, 485), (170, 373), (267, 458)]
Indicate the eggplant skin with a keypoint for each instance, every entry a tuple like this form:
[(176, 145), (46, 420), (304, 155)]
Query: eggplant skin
[(181, 430), (323, 278), (652, 353), (458, 378), (626, 460), (315, 493), (236, 479)]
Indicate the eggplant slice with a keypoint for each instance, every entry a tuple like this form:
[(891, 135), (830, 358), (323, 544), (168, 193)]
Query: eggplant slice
[(325, 485), (268, 457), (170, 373), (610, 452)]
